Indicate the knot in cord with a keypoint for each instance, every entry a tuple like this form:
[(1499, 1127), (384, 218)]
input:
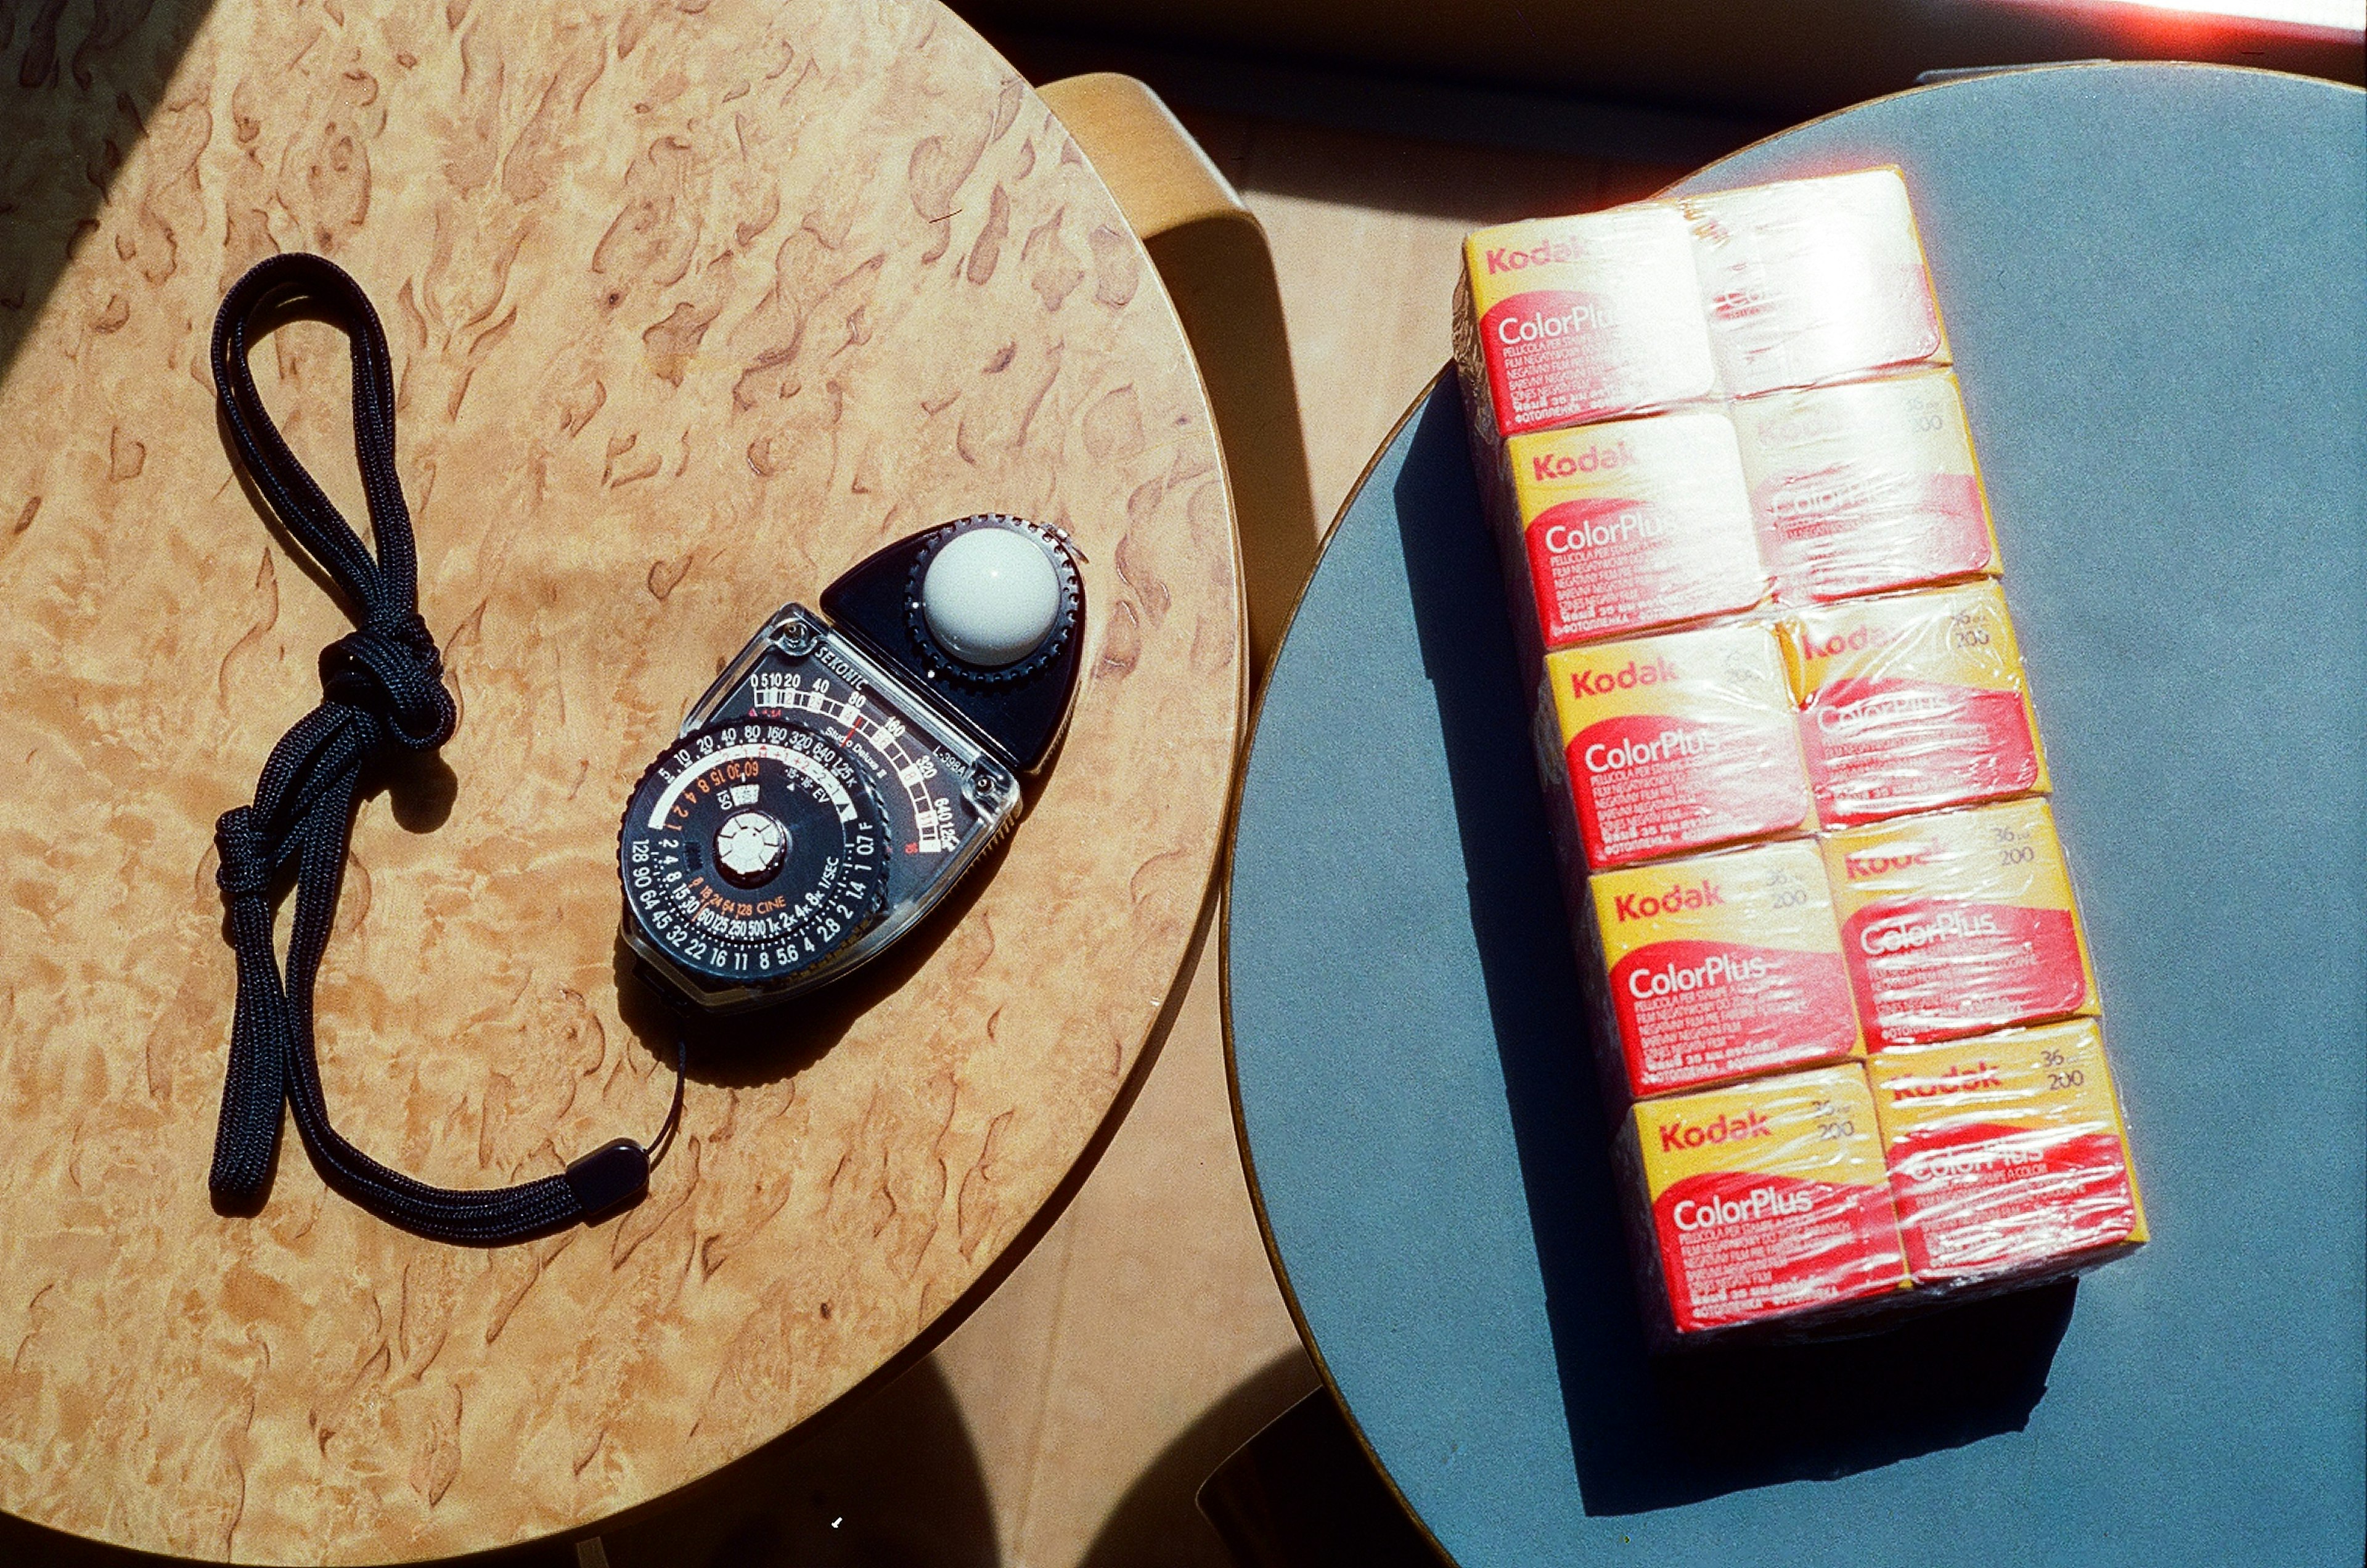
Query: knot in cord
[(392, 668), (245, 869)]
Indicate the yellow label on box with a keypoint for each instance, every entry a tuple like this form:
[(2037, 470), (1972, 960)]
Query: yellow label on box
[(1865, 487), (1959, 923), (1566, 320), (1722, 965), (1637, 523), (1767, 1197), (1913, 702), (2007, 1151), (1679, 742), (1813, 280)]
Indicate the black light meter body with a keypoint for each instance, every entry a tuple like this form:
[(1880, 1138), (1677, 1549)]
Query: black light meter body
[(848, 768)]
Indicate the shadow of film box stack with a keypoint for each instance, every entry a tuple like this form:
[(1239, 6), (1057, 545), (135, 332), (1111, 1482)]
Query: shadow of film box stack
[(1799, 791)]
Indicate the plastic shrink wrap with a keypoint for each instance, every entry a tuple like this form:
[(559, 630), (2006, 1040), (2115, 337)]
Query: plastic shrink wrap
[(1865, 487), (1716, 967), (1680, 742), (1842, 1004), (1765, 1201), (1639, 524), (2007, 1153), (1913, 702), (1959, 923)]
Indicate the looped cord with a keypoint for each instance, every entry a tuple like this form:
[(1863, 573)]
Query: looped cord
[(382, 690)]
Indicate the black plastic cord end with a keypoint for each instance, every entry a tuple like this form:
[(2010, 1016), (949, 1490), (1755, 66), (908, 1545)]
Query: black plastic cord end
[(611, 1176)]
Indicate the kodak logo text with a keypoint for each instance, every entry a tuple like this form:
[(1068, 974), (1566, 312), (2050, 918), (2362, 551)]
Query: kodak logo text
[(1597, 458), (1702, 895), (1956, 1080), (1519, 258), (1599, 682), (1856, 640), (1683, 1134)]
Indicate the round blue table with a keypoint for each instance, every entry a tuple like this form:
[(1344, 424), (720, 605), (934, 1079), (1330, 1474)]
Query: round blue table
[(2153, 278)]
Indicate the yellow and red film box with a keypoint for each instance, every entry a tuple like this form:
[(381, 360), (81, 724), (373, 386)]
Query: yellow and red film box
[(1679, 742), (1639, 524), (2007, 1155), (1808, 281), (1959, 923), (1720, 966), (1913, 702), (1761, 1199), (1567, 320), (1865, 487)]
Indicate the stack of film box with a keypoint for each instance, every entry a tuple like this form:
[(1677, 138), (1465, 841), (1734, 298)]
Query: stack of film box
[(1844, 1013)]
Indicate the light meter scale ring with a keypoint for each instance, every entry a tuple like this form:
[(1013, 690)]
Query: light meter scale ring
[(799, 762), (912, 767)]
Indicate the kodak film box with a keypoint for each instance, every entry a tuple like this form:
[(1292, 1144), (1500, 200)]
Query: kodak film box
[(1865, 487), (1913, 702), (1717, 967), (1572, 321), (2008, 1155), (1633, 525), (1853, 1070), (1567, 322), (1592, 320), (1672, 744), (1960, 922), (1761, 1202), (1816, 280)]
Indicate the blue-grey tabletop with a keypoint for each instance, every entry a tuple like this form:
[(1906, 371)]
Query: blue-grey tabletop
[(2155, 278)]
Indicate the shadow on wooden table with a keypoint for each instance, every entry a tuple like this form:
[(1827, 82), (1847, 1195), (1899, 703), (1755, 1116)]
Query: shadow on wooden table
[(778, 1043), (892, 1482), (30, 1546), (1646, 1436), (1157, 1523), (84, 86)]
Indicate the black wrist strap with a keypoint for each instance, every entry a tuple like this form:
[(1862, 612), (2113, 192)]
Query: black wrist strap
[(383, 695)]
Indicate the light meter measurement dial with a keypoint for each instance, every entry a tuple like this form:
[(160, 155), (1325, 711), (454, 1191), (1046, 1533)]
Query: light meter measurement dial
[(751, 852), (911, 775), (932, 796)]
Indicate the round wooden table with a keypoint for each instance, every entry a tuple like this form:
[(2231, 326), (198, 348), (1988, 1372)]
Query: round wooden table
[(692, 308), (2150, 280)]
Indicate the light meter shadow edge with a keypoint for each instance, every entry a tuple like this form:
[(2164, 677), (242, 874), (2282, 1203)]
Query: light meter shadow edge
[(742, 1050)]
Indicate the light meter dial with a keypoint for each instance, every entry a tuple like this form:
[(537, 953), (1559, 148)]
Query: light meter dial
[(755, 855)]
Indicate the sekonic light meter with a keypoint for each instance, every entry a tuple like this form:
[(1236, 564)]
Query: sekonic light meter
[(848, 768)]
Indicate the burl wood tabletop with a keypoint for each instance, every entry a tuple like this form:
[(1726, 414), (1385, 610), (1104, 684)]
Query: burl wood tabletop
[(692, 307)]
